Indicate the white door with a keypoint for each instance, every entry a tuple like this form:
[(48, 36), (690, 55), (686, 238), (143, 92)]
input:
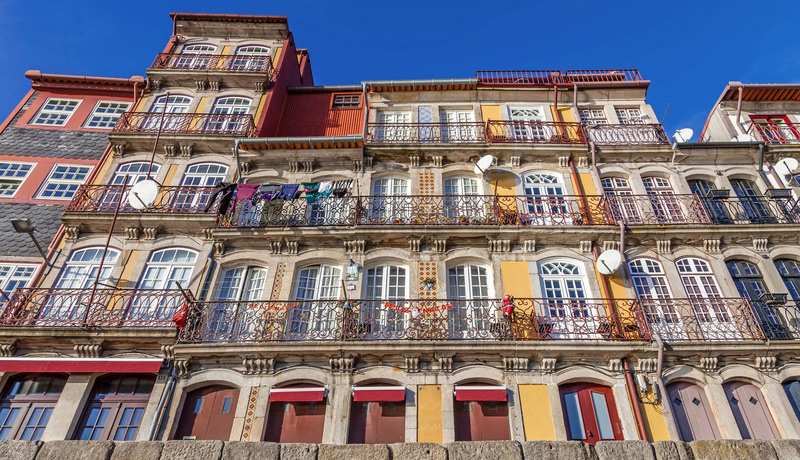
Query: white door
[(390, 127), (622, 204), (471, 316), (455, 126), (710, 311), (385, 284), (655, 297), (545, 202), (662, 198), (195, 57), (253, 58), (390, 202), (231, 318), (134, 173), (228, 106), (314, 315), (528, 123), (166, 269), (198, 175), (174, 105), (462, 203), (567, 314)]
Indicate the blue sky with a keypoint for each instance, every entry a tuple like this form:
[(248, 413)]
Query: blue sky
[(688, 49)]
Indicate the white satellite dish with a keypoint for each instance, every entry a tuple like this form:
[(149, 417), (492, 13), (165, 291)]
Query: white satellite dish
[(143, 194), (683, 135), (787, 167), (743, 138), (484, 164), (609, 261)]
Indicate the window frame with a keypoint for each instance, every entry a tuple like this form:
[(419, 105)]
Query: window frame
[(27, 405), (343, 104), (3, 179), (68, 182), (43, 110), (115, 118), (5, 280), (117, 404)]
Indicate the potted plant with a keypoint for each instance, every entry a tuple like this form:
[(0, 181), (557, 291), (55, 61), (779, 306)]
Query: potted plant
[(428, 284), (463, 220)]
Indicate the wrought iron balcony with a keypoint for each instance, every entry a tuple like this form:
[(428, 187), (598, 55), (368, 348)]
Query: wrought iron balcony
[(700, 319), (751, 210), (654, 209), (213, 62), (391, 320), (426, 133), (178, 200), (117, 308), (776, 133), (779, 319), (535, 132), (186, 123), (652, 134), (436, 210), (554, 77)]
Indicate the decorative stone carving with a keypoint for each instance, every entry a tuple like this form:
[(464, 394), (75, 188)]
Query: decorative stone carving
[(219, 248), (208, 234), (445, 363), (766, 363), (358, 166), (415, 160), (88, 350), (168, 351), (355, 246), (259, 86), (664, 246), (155, 84), (294, 166), (275, 246), (257, 366), (586, 247), (709, 363), (292, 247), (170, 150), (711, 246), (8, 349), (72, 233), (412, 363), (530, 246), (182, 367), (615, 365), (414, 244), (308, 165), (200, 85), (647, 365), (150, 233), (342, 364), (548, 365), (186, 150), (583, 162), (213, 85), (760, 244), (245, 166), (515, 161), (368, 162), (515, 364), (438, 160), (119, 149), (132, 233), (499, 245), (439, 244), (563, 162), (610, 245)]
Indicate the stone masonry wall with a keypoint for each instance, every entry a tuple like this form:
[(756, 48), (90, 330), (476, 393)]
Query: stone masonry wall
[(481, 450)]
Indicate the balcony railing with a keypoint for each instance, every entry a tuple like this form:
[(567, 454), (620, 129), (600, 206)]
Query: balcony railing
[(186, 123), (700, 319), (448, 319), (664, 209), (120, 308), (779, 320), (632, 134), (776, 133), (535, 132), (751, 210), (178, 200), (213, 62), (426, 133), (605, 75), (554, 77), (550, 211)]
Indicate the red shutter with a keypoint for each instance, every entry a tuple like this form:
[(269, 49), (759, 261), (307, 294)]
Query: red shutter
[(379, 394), (297, 394), (480, 393)]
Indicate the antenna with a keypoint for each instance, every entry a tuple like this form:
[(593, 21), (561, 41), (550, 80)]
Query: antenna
[(483, 165), (682, 135), (143, 194), (609, 261)]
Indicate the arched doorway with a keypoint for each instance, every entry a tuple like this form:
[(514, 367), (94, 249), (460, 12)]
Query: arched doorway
[(590, 413), (296, 414), (377, 414), (208, 413), (750, 411), (692, 412)]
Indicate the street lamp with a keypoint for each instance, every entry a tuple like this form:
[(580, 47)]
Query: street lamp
[(24, 226)]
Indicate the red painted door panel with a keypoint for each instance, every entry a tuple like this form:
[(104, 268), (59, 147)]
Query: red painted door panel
[(750, 411), (377, 422), (295, 421), (692, 412), (481, 421), (208, 414), (590, 413)]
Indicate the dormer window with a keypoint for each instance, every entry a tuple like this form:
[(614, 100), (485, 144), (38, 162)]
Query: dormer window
[(346, 101), (55, 112)]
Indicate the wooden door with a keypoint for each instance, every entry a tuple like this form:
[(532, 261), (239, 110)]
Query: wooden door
[(481, 421), (208, 414), (750, 411), (590, 413), (692, 412), (377, 422), (295, 421)]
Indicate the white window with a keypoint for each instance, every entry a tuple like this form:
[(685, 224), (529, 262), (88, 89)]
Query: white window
[(55, 112), (593, 116), (528, 122), (655, 297), (242, 283), (175, 104), (467, 286), (346, 101), (198, 175), (195, 56), (388, 200), (228, 106), (315, 286), (701, 287), (82, 267), (15, 276), (390, 126), (64, 181), (621, 204), (458, 205), (629, 116), (467, 282), (461, 131), (544, 197), (12, 175), (565, 289), (384, 283), (255, 60), (166, 269), (662, 198), (106, 114), (229, 317), (134, 172)]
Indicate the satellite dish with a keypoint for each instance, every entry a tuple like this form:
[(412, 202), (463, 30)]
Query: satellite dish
[(787, 166), (683, 135), (484, 163), (143, 194), (609, 261), (743, 138)]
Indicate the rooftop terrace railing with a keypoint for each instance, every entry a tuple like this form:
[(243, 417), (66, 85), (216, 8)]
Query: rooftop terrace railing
[(786, 133), (186, 123), (212, 62), (554, 77), (628, 134)]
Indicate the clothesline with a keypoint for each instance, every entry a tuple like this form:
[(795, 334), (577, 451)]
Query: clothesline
[(231, 194)]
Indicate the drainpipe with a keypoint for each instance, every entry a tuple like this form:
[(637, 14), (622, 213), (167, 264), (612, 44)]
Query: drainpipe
[(637, 411), (366, 109), (661, 398), (162, 405), (739, 106), (593, 149), (236, 155), (575, 98)]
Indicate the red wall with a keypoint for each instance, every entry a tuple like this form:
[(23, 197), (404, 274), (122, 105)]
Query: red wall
[(75, 122)]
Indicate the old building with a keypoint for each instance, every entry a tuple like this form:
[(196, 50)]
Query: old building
[(519, 255)]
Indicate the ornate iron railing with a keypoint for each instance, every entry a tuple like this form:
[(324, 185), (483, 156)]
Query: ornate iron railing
[(700, 319), (179, 200), (751, 210), (235, 63), (426, 133), (126, 308), (652, 134), (448, 319), (186, 123), (655, 209), (776, 133), (779, 320), (528, 210), (603, 75), (554, 77), (535, 132)]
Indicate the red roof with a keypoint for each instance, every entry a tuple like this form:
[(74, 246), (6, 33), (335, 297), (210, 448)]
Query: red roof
[(226, 17), (311, 114)]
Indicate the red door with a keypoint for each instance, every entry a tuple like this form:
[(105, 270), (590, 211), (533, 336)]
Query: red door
[(776, 129), (692, 412), (591, 413), (295, 421), (481, 421), (377, 422), (750, 411), (208, 414)]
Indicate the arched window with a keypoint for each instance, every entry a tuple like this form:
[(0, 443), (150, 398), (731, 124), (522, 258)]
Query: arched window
[(27, 405), (166, 269), (226, 109), (296, 414), (545, 200), (750, 285), (388, 203), (134, 172), (253, 58), (316, 288), (692, 412), (208, 413), (231, 317), (750, 411), (622, 205), (591, 413), (706, 301), (82, 267), (195, 56), (662, 198), (382, 283), (790, 273), (175, 105), (655, 297), (193, 196), (565, 288), (714, 207), (115, 409)]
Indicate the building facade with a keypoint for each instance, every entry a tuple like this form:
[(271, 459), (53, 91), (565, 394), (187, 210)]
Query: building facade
[(519, 255)]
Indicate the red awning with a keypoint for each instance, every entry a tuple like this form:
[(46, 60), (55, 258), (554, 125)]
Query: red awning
[(297, 394), (480, 393), (80, 365), (379, 393)]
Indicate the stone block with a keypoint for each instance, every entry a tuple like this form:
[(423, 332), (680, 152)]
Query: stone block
[(299, 451), (418, 450), (137, 450), (558, 450), (84, 450), (192, 450), (627, 450), (353, 452), (673, 450), (19, 450), (787, 449), (238, 450), (733, 450), (481, 450)]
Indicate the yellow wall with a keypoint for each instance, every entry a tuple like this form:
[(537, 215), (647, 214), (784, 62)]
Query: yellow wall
[(127, 272), (516, 279), (429, 413), (536, 412), (654, 421), (261, 105), (492, 112), (226, 50), (503, 184), (587, 183), (566, 114), (170, 175)]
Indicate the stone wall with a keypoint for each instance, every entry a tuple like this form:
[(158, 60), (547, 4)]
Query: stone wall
[(482, 450)]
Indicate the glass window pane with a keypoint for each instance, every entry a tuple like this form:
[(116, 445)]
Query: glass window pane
[(603, 417), (574, 416)]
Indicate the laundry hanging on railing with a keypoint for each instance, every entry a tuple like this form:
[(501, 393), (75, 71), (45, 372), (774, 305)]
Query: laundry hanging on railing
[(266, 192), (224, 191), (341, 187), (287, 192), (245, 191)]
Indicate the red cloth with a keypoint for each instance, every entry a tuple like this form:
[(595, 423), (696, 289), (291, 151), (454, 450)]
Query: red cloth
[(245, 191), (180, 318)]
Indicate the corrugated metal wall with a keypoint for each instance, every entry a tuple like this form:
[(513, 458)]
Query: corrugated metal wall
[(310, 114)]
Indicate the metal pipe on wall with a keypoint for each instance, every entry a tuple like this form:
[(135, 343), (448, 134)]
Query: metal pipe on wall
[(634, 397)]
